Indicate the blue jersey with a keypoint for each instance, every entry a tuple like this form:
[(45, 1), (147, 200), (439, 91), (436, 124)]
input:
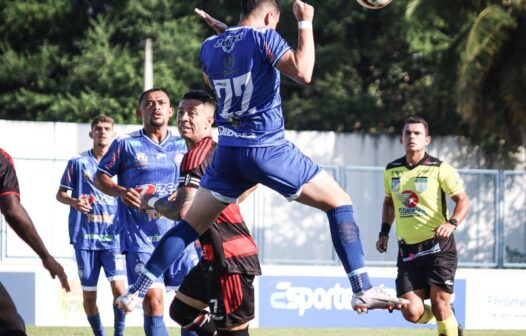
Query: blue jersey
[(150, 168), (98, 229), (240, 64)]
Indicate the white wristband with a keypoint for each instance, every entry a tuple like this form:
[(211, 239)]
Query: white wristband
[(304, 24), (151, 201)]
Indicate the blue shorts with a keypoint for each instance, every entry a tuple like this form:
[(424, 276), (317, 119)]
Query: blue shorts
[(172, 278), (89, 263), (283, 168)]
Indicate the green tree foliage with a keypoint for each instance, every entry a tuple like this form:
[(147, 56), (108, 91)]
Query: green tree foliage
[(68, 60), (482, 59), (71, 60)]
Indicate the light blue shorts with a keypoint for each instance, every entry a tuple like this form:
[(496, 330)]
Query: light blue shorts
[(89, 263)]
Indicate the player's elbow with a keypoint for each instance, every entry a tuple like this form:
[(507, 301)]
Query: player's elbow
[(304, 77), (304, 80)]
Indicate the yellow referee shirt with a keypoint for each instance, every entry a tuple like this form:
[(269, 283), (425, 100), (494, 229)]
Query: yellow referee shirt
[(419, 195)]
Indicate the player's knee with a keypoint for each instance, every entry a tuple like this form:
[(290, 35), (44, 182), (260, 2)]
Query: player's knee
[(411, 315), (226, 332), (184, 314)]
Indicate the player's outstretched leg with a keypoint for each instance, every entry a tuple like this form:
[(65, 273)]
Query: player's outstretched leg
[(325, 194), (346, 239)]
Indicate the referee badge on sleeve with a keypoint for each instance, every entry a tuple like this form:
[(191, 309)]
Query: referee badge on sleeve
[(395, 184), (421, 184)]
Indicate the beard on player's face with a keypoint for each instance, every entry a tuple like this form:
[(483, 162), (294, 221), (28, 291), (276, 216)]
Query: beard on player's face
[(157, 121)]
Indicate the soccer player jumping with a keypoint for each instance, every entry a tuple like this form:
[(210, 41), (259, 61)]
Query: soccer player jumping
[(243, 65)]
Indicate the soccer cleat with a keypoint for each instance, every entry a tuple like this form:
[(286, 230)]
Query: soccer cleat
[(377, 298), (128, 301)]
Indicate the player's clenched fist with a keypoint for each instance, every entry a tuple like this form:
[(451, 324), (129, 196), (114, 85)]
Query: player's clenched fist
[(302, 11)]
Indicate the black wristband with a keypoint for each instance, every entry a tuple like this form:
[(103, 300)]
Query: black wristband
[(384, 231)]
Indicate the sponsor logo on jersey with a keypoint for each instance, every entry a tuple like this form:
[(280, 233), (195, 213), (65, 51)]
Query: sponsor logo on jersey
[(421, 184), (228, 43), (141, 159), (409, 200), (154, 238), (135, 143), (88, 198), (99, 237), (223, 131), (107, 219), (159, 188), (229, 61), (395, 184), (99, 199)]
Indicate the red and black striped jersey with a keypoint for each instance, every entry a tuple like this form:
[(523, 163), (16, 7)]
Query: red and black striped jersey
[(8, 179), (227, 246)]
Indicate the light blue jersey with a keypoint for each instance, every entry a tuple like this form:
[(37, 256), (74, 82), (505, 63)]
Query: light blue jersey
[(150, 168), (236, 62), (98, 229)]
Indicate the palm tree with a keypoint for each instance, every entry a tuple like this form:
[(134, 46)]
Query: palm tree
[(483, 56)]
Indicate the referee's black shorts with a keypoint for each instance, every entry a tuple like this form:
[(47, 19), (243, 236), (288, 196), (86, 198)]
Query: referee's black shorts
[(434, 269), (229, 296)]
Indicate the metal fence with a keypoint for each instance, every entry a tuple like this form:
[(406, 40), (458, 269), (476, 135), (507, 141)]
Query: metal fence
[(493, 235)]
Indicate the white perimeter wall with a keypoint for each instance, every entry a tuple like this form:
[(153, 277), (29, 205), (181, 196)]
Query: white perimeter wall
[(494, 298)]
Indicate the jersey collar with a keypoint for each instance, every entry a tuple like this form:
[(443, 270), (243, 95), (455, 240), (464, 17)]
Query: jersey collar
[(163, 141), (406, 164)]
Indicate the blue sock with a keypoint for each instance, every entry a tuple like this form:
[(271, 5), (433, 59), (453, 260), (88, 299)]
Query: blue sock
[(118, 321), (170, 247), (154, 326), (345, 236), (186, 332), (96, 325)]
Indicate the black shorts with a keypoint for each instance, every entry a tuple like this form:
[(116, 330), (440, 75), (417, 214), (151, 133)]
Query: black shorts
[(229, 296), (423, 264)]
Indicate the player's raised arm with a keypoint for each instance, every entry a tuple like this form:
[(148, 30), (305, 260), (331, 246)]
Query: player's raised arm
[(218, 26), (299, 64)]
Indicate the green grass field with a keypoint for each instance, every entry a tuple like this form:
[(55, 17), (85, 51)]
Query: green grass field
[(61, 331)]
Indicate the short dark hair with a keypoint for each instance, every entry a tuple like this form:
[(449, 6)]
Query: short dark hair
[(201, 95), (248, 6), (102, 118), (141, 97), (416, 120)]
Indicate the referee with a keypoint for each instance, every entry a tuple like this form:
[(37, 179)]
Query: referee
[(416, 186)]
